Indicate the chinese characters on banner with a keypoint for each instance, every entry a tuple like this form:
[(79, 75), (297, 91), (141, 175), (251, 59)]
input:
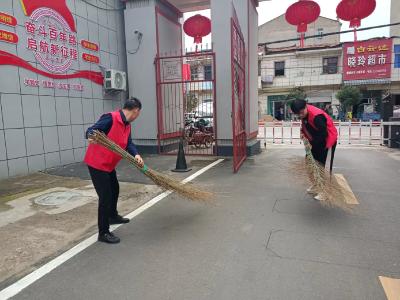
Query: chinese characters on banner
[(367, 60), (90, 58), (49, 84), (7, 20), (50, 35), (89, 45), (8, 37), (55, 45)]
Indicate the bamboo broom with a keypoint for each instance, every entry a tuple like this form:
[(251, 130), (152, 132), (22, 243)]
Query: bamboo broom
[(187, 191), (323, 182)]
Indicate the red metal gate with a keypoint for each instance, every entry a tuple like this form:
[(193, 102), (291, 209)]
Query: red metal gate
[(186, 103), (238, 65)]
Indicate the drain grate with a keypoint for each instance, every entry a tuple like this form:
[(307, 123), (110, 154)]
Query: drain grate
[(57, 198)]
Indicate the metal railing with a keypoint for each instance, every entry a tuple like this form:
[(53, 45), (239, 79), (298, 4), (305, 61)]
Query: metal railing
[(350, 133)]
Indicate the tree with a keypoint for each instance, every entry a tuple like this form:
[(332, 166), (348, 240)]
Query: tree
[(191, 102), (349, 96), (297, 93)]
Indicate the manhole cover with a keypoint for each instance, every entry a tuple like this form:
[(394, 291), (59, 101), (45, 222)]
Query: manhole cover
[(56, 198)]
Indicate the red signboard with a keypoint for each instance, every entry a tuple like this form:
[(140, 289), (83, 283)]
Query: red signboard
[(8, 37), (90, 58), (367, 60), (89, 45), (7, 19)]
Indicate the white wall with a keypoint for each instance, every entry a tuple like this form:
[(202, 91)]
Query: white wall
[(141, 16), (395, 17), (220, 24), (221, 14), (253, 63), (141, 72), (301, 69)]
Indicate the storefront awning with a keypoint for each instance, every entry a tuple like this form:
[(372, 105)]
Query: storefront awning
[(368, 81)]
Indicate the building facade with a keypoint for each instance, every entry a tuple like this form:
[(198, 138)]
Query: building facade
[(316, 68), (279, 29), (43, 117), (320, 70), (54, 56), (395, 84), (317, 71)]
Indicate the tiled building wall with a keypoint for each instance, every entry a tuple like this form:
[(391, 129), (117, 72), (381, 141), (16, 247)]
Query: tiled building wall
[(43, 128), (303, 70)]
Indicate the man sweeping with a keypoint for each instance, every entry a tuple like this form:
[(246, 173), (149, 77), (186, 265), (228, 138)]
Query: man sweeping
[(318, 128), (102, 162)]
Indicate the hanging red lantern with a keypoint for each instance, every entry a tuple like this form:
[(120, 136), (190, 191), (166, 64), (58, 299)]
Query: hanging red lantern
[(301, 14), (197, 27), (354, 11)]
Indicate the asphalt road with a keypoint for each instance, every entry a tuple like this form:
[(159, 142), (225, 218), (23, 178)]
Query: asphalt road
[(263, 239)]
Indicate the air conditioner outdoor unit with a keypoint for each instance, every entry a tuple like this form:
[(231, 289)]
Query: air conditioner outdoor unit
[(115, 80)]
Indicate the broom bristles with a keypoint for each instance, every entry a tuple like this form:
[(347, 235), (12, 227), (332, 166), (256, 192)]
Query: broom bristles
[(187, 191), (325, 183)]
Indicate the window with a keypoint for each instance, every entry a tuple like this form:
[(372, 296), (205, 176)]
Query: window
[(330, 65), (194, 71), (279, 68), (320, 33), (208, 73), (397, 56), (259, 67)]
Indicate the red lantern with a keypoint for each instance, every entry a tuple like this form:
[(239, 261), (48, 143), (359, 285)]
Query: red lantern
[(354, 11), (197, 27), (301, 14)]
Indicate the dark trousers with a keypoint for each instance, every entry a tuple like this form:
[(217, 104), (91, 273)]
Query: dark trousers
[(107, 188), (321, 155)]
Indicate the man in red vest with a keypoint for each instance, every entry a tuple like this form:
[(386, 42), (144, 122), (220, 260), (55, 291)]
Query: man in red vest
[(102, 162), (318, 128)]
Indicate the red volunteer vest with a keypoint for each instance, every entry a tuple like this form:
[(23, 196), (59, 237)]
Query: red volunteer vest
[(332, 132), (101, 158)]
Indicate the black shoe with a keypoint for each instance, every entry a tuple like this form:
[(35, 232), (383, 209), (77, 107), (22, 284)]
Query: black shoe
[(118, 220), (109, 238)]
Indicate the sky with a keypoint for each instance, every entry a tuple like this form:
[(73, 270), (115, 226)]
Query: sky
[(269, 10)]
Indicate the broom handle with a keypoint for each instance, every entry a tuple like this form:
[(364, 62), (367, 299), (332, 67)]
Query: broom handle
[(104, 140), (332, 158)]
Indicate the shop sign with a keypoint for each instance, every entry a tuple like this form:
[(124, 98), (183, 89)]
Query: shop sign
[(367, 60)]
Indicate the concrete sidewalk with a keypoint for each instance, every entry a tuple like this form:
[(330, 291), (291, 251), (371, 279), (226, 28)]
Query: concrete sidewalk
[(44, 214), (265, 238)]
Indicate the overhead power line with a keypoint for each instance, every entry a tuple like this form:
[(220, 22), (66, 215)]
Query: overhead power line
[(329, 33)]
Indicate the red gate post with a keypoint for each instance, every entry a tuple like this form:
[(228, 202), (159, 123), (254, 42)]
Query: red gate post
[(238, 95)]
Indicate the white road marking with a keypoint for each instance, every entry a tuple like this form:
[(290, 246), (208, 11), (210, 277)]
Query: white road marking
[(29, 279)]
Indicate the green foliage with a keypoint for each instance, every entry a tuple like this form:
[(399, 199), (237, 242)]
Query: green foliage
[(349, 96), (191, 102), (297, 93)]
